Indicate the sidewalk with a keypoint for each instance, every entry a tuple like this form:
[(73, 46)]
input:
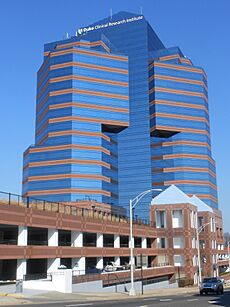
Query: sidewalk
[(49, 297), (13, 299)]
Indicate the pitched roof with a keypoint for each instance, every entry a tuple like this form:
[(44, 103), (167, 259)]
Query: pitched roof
[(172, 195), (201, 206)]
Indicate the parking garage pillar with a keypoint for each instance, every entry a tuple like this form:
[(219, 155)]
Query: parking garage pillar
[(22, 235), (81, 266), (143, 243), (21, 268), (117, 241), (75, 265), (53, 264), (99, 240), (99, 263), (76, 239), (52, 237), (78, 266)]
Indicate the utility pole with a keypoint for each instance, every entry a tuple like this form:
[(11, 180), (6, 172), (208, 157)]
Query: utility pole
[(198, 231)]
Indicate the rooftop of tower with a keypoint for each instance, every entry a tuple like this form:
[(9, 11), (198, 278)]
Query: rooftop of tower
[(117, 19)]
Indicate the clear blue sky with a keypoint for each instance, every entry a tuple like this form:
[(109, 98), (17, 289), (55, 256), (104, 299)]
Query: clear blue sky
[(199, 27)]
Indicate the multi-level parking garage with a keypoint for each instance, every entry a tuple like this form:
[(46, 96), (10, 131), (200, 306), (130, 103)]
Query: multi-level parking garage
[(37, 237)]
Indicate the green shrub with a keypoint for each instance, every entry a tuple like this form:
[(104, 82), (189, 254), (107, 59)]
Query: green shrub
[(185, 282)]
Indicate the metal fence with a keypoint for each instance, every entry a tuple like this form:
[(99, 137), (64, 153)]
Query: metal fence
[(9, 241), (37, 276), (114, 278), (43, 205)]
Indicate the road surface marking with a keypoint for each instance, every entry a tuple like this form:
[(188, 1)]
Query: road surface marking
[(213, 302), (76, 305), (166, 300), (192, 299), (188, 295), (149, 299)]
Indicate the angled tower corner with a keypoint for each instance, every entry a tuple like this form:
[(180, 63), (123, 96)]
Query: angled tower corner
[(82, 105), (179, 120)]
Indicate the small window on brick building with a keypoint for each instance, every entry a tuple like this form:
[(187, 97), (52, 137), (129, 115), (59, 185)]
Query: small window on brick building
[(177, 219), (178, 260), (161, 242), (160, 219), (178, 242)]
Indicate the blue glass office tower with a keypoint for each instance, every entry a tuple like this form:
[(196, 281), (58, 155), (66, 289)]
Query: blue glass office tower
[(180, 142), (118, 113)]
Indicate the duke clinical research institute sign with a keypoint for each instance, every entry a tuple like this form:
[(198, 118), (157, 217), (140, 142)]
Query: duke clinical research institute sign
[(108, 24)]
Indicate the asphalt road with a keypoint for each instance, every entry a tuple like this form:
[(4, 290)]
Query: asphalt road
[(189, 300)]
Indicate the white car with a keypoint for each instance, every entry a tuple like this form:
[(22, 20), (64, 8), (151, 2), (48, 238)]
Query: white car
[(62, 267), (112, 267)]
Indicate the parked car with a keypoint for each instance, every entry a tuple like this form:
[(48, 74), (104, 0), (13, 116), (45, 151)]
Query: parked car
[(62, 267), (112, 267), (212, 284)]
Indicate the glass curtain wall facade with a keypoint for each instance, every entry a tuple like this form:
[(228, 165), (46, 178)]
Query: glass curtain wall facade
[(180, 142), (82, 104), (118, 114)]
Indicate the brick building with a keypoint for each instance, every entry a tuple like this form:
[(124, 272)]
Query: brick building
[(36, 237), (181, 221)]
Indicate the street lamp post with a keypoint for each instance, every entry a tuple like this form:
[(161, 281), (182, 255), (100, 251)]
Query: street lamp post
[(199, 262), (132, 290), (132, 204), (198, 231), (228, 256)]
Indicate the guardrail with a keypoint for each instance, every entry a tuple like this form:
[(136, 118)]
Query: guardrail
[(43, 205), (38, 276), (9, 242), (111, 278), (37, 243)]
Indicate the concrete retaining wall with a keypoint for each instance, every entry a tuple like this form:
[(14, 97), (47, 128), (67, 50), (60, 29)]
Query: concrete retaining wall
[(61, 282), (97, 286)]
